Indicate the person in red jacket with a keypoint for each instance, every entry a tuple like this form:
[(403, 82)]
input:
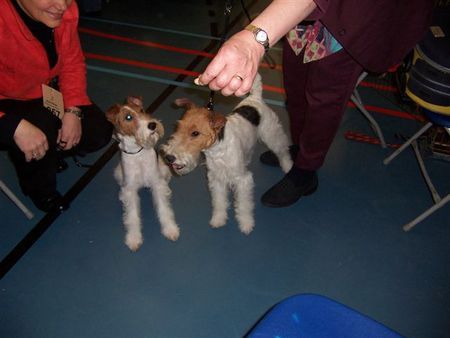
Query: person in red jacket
[(323, 57), (41, 51)]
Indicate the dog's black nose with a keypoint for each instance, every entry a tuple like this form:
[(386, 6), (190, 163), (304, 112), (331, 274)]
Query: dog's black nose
[(152, 125), (170, 158)]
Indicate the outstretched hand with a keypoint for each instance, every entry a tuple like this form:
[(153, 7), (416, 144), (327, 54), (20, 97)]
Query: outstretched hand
[(233, 69)]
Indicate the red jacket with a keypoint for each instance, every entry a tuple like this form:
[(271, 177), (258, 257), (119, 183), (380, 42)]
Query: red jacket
[(23, 61)]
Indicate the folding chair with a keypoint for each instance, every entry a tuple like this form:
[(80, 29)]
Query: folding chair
[(434, 119), (428, 85)]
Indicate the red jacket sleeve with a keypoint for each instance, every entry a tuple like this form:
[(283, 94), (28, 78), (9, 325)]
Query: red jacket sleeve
[(72, 77)]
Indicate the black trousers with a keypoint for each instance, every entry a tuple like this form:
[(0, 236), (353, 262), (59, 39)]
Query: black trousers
[(39, 177)]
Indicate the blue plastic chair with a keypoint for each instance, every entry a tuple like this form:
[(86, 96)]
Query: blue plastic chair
[(315, 316)]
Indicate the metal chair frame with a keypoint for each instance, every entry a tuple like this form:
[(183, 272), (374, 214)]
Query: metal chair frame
[(15, 200), (439, 201), (356, 99)]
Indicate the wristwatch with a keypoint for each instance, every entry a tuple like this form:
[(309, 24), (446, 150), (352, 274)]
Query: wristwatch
[(260, 36), (74, 110)]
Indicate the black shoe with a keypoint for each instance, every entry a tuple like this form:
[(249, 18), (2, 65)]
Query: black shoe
[(52, 202), (61, 164), (269, 157), (295, 184)]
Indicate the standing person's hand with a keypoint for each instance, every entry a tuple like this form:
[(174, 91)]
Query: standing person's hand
[(70, 133), (234, 68), (30, 140)]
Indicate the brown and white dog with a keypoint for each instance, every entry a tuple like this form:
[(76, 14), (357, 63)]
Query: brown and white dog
[(227, 143), (137, 133)]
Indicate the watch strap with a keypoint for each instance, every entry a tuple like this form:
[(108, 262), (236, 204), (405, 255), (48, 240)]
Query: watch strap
[(255, 30), (74, 110)]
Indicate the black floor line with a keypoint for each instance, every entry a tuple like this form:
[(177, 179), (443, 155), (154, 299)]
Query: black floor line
[(38, 230)]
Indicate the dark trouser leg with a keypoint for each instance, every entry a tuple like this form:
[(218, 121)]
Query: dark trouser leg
[(294, 78), (37, 177), (97, 130), (317, 102), (317, 95)]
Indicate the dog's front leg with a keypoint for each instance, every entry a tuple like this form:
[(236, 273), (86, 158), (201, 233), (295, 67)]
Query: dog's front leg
[(161, 198), (118, 174), (219, 191), (131, 217), (164, 170), (243, 202)]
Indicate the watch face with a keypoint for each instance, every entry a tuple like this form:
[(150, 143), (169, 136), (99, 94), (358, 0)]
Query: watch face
[(261, 36)]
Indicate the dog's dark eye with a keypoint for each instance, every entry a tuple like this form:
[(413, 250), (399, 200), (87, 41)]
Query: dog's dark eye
[(195, 133), (128, 117)]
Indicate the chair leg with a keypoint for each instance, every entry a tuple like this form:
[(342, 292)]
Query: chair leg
[(16, 201), (426, 213), (433, 191), (407, 143), (356, 98)]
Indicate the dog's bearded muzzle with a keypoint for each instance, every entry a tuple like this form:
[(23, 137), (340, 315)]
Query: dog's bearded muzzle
[(181, 164)]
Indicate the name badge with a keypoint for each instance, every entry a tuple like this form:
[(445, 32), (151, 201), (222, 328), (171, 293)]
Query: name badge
[(53, 100)]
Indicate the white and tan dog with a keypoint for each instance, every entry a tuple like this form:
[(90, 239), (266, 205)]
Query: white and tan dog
[(228, 143), (137, 133)]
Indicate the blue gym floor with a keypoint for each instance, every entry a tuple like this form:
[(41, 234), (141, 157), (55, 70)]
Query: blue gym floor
[(345, 241)]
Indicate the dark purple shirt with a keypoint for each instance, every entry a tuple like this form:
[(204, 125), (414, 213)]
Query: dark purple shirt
[(378, 34)]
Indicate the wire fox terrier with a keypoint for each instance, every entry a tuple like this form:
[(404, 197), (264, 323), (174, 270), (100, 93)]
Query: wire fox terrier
[(227, 143), (137, 133)]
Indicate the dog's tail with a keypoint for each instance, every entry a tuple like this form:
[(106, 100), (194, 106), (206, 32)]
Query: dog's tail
[(257, 89)]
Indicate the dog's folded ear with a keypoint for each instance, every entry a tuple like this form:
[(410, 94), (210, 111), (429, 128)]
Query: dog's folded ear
[(136, 100), (184, 102), (217, 121), (112, 112)]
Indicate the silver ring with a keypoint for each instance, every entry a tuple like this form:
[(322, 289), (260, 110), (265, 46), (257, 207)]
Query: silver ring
[(239, 77)]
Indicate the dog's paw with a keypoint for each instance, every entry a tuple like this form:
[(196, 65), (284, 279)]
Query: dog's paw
[(171, 232), (133, 241), (217, 222), (246, 228)]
